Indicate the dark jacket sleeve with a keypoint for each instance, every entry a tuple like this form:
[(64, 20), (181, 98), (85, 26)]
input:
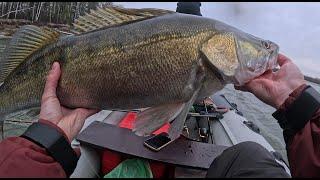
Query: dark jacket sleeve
[(20, 157), (303, 147), (189, 8)]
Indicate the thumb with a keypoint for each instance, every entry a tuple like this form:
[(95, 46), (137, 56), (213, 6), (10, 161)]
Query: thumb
[(52, 81), (250, 86)]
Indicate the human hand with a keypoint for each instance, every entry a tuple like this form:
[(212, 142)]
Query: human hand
[(274, 88), (69, 120)]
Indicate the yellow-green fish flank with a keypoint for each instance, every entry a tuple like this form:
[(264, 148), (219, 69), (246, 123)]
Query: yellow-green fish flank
[(167, 59)]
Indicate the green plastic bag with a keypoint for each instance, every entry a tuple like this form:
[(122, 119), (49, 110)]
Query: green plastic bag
[(131, 168)]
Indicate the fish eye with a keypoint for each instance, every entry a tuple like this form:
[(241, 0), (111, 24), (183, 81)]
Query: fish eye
[(266, 44)]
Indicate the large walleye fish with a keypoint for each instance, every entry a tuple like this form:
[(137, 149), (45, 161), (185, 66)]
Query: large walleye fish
[(130, 59)]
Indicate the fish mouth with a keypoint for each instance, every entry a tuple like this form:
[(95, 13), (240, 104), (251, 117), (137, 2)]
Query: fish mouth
[(270, 60), (273, 58), (251, 69)]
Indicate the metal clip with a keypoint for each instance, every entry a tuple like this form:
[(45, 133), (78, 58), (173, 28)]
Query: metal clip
[(201, 133), (187, 129)]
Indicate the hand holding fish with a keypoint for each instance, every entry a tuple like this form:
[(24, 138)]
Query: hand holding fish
[(69, 120), (274, 88)]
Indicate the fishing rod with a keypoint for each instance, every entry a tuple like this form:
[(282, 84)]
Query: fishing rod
[(312, 79)]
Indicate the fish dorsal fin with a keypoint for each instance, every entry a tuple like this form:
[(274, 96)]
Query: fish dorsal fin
[(24, 42), (113, 15)]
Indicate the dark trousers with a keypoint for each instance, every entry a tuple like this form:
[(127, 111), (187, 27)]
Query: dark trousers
[(246, 159)]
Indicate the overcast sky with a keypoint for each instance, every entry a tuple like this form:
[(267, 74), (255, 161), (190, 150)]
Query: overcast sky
[(294, 26)]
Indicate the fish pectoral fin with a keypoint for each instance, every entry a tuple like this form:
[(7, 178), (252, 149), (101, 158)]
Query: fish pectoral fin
[(220, 52), (24, 42), (113, 16), (153, 118), (177, 124)]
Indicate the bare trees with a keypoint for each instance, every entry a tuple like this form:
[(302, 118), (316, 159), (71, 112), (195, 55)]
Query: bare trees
[(47, 12)]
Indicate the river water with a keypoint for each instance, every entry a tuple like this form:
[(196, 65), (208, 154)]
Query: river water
[(260, 113)]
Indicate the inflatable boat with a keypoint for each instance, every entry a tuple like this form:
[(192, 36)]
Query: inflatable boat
[(217, 122)]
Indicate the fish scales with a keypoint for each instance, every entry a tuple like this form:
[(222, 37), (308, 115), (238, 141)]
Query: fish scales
[(134, 63)]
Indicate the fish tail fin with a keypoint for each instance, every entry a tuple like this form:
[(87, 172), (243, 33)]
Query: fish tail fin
[(24, 43)]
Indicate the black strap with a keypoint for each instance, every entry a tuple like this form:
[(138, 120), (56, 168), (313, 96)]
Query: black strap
[(55, 143), (301, 110)]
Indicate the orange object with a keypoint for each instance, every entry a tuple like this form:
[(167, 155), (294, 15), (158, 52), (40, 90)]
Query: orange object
[(129, 119)]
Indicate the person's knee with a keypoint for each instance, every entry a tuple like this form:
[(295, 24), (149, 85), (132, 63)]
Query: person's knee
[(242, 152), (246, 159), (249, 150), (249, 147)]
